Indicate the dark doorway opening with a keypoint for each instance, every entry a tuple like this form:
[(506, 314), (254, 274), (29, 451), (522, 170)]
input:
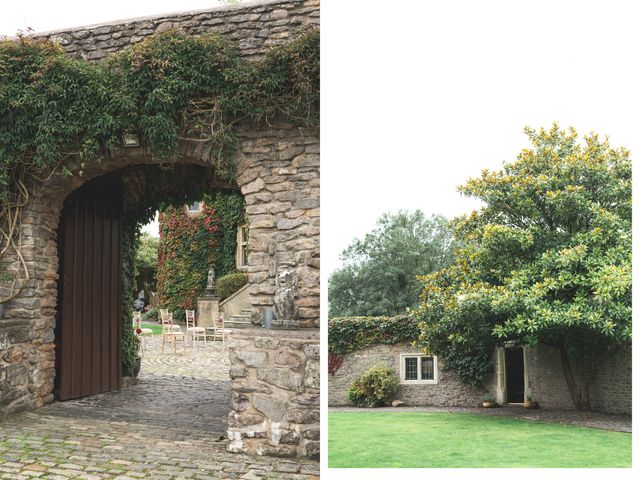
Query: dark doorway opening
[(97, 226), (88, 327), (514, 358)]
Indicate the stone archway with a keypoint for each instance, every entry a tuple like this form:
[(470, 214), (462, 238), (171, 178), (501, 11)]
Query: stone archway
[(277, 171), (278, 174)]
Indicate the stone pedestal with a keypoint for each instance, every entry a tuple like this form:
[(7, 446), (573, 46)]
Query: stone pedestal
[(208, 309), (275, 392)]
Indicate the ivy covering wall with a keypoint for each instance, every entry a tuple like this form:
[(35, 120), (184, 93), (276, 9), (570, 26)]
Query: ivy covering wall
[(191, 244), (59, 113), (348, 334)]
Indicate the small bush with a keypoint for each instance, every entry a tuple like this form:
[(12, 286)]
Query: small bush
[(230, 283), (151, 315), (374, 388)]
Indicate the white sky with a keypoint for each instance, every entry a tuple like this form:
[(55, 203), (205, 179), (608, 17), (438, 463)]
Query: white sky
[(53, 15), (418, 98)]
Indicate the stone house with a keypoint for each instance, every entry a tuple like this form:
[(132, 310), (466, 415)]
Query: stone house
[(517, 374)]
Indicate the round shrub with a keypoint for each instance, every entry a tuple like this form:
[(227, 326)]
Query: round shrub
[(374, 388), (151, 315), (230, 283)]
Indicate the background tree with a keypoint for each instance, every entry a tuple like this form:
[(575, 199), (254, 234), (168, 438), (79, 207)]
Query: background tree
[(378, 276), (546, 260), (146, 263)]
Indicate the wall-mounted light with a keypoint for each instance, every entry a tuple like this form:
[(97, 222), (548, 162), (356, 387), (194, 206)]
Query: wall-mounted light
[(130, 140)]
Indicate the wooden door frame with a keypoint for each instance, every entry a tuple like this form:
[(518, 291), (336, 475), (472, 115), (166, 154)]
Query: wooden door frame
[(501, 372)]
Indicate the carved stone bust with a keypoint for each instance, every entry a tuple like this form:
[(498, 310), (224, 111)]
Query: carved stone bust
[(138, 303), (284, 298)]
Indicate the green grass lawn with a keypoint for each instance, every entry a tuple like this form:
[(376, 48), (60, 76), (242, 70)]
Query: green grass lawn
[(157, 328), (418, 440)]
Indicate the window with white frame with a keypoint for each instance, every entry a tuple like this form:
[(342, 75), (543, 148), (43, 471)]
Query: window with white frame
[(194, 208), (416, 368)]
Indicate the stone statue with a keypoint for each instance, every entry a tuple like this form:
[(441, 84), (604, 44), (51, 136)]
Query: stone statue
[(138, 303), (211, 279), (284, 298)]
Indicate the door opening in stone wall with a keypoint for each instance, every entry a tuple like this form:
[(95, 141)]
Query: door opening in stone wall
[(95, 303), (514, 360), (97, 228)]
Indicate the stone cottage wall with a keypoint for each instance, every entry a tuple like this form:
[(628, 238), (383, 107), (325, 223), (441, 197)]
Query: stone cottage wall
[(449, 391), (610, 389), (275, 392)]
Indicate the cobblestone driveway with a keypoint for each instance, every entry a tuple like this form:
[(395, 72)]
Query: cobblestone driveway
[(170, 425)]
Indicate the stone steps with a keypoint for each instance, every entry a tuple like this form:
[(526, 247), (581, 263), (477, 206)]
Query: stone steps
[(243, 320)]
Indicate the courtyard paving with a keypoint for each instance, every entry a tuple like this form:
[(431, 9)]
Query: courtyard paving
[(170, 425)]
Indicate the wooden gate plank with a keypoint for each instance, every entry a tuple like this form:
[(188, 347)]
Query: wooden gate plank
[(90, 316)]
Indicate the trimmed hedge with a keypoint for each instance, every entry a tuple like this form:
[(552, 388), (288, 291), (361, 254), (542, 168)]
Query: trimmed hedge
[(230, 283), (348, 334), (374, 388)]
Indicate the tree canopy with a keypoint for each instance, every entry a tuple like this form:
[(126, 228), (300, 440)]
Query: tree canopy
[(546, 260), (378, 276), (147, 255)]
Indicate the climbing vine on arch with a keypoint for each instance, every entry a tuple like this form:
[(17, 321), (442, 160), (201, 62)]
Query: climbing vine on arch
[(58, 113)]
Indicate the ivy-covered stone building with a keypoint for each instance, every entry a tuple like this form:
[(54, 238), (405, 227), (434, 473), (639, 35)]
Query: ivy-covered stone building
[(518, 373)]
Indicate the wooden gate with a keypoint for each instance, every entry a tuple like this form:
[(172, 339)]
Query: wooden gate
[(89, 323)]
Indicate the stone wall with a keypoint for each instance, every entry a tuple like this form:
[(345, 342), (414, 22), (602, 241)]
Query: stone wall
[(610, 389), (254, 26), (275, 393), (278, 172), (279, 176), (449, 391)]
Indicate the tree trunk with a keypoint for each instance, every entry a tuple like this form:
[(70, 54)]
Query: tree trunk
[(576, 382)]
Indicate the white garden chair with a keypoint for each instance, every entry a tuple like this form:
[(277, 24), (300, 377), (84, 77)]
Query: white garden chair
[(144, 332), (195, 331), (219, 331), (172, 332)]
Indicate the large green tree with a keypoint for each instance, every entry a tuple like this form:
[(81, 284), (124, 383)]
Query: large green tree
[(146, 263), (378, 276), (546, 260)]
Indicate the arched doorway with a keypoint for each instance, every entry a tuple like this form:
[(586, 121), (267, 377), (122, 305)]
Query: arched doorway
[(95, 241), (277, 172)]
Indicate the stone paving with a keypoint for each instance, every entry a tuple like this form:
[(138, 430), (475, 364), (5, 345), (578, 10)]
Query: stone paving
[(605, 421), (170, 425)]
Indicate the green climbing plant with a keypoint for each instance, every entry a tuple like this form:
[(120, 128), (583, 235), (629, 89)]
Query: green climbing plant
[(58, 113)]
